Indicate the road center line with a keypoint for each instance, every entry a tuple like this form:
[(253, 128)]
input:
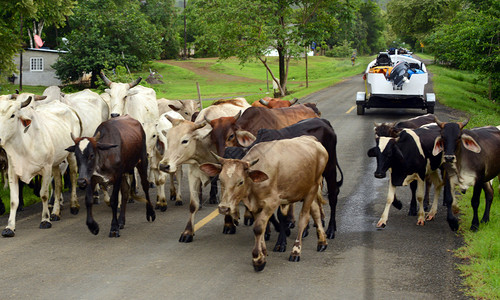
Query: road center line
[(207, 219), (351, 109)]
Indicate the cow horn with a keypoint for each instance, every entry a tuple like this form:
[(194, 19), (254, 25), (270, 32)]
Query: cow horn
[(200, 125), (97, 136), (253, 162), (440, 124), (38, 97), (135, 82), (73, 137), (219, 159), (238, 115), (105, 79), (462, 124), (293, 101), (264, 102), (26, 102)]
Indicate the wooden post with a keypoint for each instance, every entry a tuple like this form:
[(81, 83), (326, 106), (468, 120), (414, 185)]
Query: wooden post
[(307, 74), (199, 94)]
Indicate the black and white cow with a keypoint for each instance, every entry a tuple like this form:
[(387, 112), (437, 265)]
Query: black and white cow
[(472, 158)]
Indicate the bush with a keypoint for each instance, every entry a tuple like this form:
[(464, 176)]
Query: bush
[(343, 50)]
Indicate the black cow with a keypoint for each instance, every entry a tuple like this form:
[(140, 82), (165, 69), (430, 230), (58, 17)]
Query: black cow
[(118, 146), (472, 158), (317, 127), (407, 157), (392, 130)]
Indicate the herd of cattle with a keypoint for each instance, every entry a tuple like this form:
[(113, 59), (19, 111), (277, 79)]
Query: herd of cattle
[(267, 155)]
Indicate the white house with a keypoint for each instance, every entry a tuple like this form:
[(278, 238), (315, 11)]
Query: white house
[(37, 67)]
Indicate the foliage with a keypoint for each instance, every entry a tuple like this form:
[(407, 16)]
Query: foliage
[(106, 34), (258, 26), (343, 50), (471, 41)]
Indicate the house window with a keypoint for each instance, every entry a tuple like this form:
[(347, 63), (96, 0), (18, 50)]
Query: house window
[(36, 63)]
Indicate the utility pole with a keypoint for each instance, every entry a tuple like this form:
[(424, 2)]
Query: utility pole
[(185, 35), (21, 57)]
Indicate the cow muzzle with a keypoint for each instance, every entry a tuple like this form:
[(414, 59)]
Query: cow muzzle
[(167, 168), (379, 175), (450, 158), (82, 183), (114, 115)]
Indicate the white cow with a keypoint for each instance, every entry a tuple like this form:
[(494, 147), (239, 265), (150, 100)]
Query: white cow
[(223, 108), (184, 107), (159, 178), (35, 139)]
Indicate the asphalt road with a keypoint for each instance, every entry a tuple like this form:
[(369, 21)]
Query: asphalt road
[(402, 261)]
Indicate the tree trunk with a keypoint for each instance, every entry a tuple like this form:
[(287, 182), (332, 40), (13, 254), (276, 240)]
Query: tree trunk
[(93, 78), (272, 76), (281, 63), (307, 72)]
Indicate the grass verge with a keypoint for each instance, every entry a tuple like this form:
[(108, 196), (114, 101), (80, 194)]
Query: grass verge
[(481, 252)]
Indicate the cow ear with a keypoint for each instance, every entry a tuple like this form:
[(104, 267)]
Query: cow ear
[(372, 152), (470, 144), (132, 92), (107, 91), (210, 169), (160, 147), (438, 146), (258, 176), (71, 148), (245, 138), (105, 146)]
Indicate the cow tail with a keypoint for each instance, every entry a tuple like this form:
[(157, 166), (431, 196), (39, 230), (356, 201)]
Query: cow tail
[(339, 183), (139, 198)]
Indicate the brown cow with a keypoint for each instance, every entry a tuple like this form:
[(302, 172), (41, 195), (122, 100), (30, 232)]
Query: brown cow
[(274, 174), (274, 102)]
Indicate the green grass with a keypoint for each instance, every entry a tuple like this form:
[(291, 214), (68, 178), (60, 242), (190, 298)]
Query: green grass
[(481, 252)]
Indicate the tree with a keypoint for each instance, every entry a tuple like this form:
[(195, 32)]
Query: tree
[(106, 34), (249, 29), (14, 14)]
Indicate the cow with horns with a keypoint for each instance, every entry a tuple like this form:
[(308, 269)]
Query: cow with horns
[(471, 158), (117, 147)]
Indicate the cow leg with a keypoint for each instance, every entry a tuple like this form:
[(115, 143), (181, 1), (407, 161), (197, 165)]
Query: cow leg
[(2, 207), (56, 210), (73, 174), (175, 193), (303, 222), (435, 179), (333, 191), (428, 184), (474, 201), (248, 217), (142, 169), (213, 190), (21, 199), (115, 228), (390, 197), (449, 200), (420, 199), (89, 200), (161, 198), (316, 214), (229, 226), (281, 242), (488, 197), (14, 202), (259, 251), (44, 195), (194, 206), (125, 192), (413, 203)]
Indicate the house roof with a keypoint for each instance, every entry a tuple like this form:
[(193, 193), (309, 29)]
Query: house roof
[(47, 50)]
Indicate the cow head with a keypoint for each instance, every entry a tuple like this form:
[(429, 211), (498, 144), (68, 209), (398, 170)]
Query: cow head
[(13, 118), (86, 149), (386, 129), (186, 108), (450, 139), (183, 139), (236, 178), (223, 132), (118, 92), (387, 153)]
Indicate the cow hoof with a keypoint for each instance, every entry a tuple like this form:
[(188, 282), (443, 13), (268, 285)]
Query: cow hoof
[(259, 267), (306, 232), (420, 223), (330, 233), (20, 208), (45, 225), (321, 247), (7, 232), (54, 217), (248, 221), (291, 224), (453, 224), (94, 228), (121, 226), (381, 225), (178, 203), (294, 258), (74, 210), (279, 248), (485, 220), (229, 230), (474, 228), (114, 233), (150, 214), (186, 238), (287, 231), (267, 236)]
